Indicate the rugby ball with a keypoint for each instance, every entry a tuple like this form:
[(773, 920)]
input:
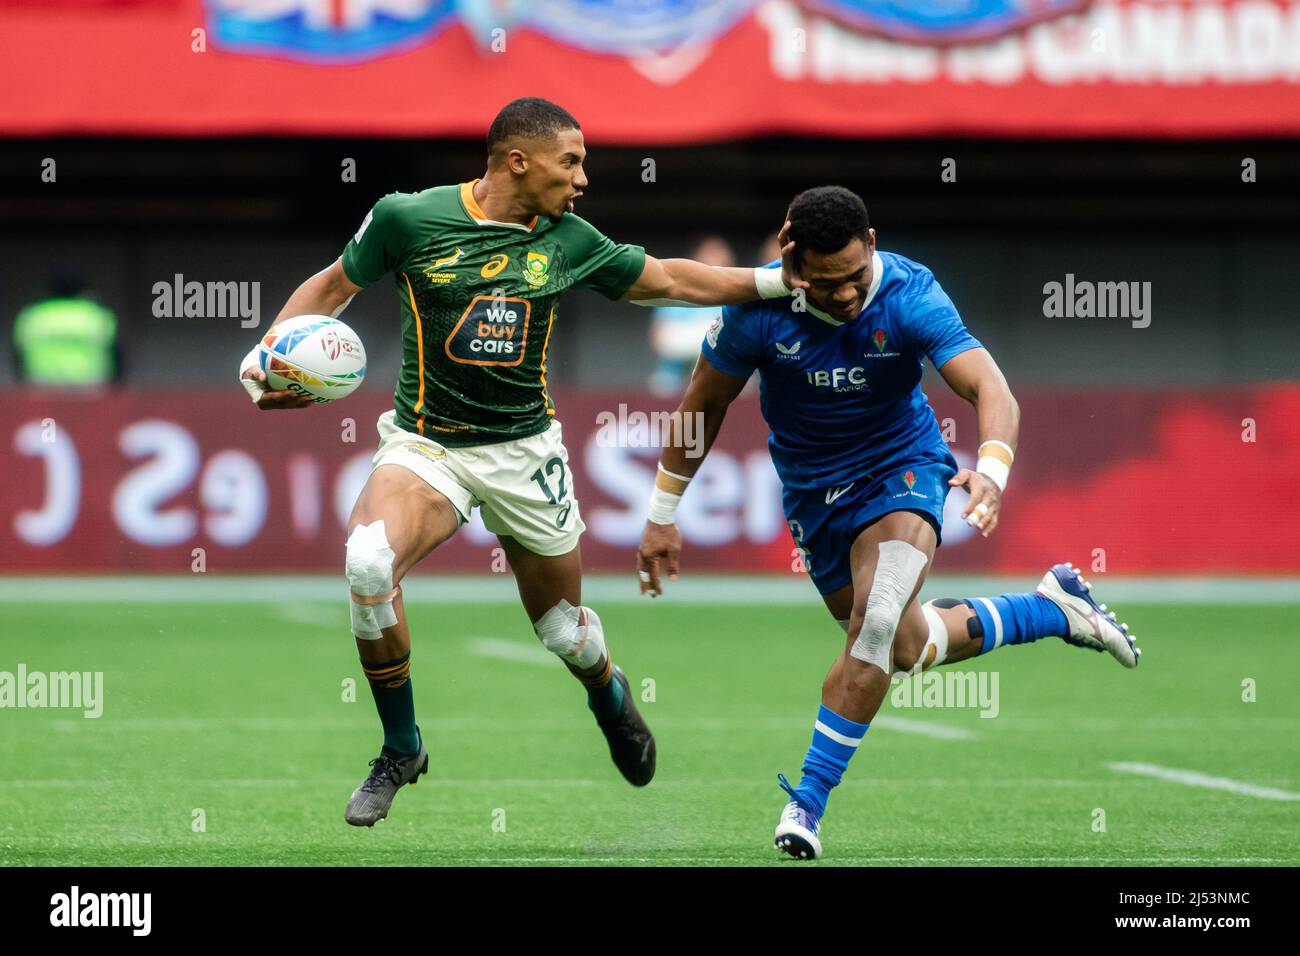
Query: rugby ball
[(313, 355)]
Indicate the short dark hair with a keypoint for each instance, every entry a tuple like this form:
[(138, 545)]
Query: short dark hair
[(826, 219), (529, 117)]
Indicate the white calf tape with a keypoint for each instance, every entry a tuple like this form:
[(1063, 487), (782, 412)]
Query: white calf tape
[(938, 640)]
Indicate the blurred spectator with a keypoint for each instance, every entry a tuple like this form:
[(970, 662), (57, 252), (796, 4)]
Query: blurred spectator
[(770, 250), (67, 339), (676, 331)]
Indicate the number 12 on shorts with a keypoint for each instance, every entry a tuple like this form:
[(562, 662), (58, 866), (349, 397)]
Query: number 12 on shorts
[(553, 466)]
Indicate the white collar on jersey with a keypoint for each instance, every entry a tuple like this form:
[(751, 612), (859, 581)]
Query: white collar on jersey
[(877, 272)]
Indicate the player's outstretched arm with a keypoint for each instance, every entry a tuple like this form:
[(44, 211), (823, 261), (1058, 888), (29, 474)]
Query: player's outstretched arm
[(687, 282), (328, 292), (706, 400), (976, 377)]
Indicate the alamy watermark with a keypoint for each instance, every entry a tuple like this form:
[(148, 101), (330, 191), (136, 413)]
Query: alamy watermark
[(78, 690), (651, 430), (948, 689), (75, 908), (1083, 299), (208, 300)]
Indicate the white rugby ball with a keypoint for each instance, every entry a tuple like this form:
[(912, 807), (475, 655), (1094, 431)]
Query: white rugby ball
[(314, 355)]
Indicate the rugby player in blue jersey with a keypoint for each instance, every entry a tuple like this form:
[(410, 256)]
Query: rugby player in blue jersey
[(865, 472)]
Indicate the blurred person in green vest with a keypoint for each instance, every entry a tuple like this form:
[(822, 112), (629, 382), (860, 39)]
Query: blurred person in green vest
[(67, 339)]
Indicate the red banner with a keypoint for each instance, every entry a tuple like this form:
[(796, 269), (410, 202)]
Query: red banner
[(1144, 481), (419, 68)]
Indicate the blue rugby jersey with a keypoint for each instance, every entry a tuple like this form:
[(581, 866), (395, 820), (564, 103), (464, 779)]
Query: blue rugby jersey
[(843, 399)]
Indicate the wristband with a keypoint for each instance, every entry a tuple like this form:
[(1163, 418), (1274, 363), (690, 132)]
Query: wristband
[(769, 284), (663, 506), (670, 481), (253, 359), (995, 470), (995, 464)]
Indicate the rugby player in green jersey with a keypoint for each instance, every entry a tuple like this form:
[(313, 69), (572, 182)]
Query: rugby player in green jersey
[(478, 270)]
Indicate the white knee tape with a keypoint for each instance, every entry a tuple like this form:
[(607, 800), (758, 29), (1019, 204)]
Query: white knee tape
[(898, 569), (369, 567), (562, 632)]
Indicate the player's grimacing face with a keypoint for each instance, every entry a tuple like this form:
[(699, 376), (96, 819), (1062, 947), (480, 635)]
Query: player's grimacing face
[(838, 281), (555, 177)]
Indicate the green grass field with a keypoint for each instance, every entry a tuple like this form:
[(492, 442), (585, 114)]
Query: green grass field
[(236, 709)]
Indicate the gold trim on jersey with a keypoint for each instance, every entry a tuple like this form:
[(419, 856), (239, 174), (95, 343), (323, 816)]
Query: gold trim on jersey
[(479, 216), (550, 320), (419, 346)]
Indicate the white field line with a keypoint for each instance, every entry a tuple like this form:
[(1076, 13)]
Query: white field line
[(761, 589), (1191, 778), (145, 725), (926, 729), (316, 615), (507, 650)]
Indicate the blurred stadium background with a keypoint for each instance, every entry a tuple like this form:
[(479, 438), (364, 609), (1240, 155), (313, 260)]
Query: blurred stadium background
[(1105, 140), (1006, 144)]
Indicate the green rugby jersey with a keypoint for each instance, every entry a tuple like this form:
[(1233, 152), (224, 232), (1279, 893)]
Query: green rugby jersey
[(478, 301)]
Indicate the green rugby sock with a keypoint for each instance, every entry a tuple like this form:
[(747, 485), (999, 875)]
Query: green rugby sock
[(390, 684), (606, 702)]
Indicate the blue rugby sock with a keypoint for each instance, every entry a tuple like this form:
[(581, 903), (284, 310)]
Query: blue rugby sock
[(834, 741), (1017, 619)]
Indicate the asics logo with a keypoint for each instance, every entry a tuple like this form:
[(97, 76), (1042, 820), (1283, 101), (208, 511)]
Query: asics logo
[(835, 493)]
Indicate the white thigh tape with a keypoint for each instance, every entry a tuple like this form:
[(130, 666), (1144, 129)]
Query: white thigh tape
[(898, 569)]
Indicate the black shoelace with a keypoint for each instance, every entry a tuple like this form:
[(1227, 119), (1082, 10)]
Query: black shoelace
[(385, 767)]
